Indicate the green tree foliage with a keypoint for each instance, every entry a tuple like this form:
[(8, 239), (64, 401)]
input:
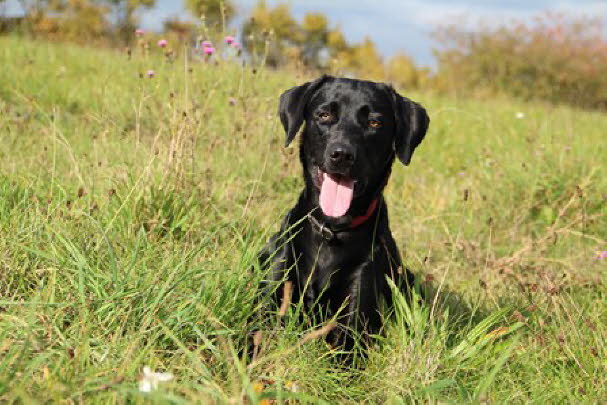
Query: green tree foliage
[(316, 45), (217, 13), (272, 32)]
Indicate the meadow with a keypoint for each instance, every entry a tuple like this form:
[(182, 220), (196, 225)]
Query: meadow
[(132, 209)]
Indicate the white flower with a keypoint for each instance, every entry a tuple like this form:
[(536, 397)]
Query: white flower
[(520, 115), (150, 379)]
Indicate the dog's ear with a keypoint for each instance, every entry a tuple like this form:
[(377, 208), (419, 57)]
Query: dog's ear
[(293, 103), (411, 126)]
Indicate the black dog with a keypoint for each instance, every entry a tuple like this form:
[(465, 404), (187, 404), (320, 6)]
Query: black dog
[(335, 245)]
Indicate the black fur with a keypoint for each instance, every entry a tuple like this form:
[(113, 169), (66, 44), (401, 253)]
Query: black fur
[(344, 272)]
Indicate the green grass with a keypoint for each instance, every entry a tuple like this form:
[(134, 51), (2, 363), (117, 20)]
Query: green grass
[(131, 211)]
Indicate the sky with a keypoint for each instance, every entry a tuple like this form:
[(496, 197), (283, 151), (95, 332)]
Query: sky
[(394, 25)]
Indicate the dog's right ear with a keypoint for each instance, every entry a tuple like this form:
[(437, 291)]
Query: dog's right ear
[(293, 106)]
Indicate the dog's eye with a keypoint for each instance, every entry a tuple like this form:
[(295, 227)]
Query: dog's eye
[(375, 124), (324, 117)]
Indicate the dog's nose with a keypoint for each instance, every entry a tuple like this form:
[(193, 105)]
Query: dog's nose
[(342, 156)]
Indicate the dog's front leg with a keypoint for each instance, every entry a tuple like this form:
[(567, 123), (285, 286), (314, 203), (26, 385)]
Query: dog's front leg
[(358, 315), (274, 260), (278, 258)]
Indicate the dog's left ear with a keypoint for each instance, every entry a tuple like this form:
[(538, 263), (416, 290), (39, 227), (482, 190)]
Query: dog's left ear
[(293, 103), (411, 126)]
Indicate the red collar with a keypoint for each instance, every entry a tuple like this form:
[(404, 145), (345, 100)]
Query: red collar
[(357, 221), (329, 234)]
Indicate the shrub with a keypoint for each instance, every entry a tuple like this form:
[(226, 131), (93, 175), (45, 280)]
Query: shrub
[(555, 58), (402, 71)]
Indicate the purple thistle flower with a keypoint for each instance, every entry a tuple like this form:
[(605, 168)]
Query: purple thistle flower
[(602, 255), (229, 40), (206, 44), (235, 45), (209, 50), (163, 43), (139, 32), (150, 73)]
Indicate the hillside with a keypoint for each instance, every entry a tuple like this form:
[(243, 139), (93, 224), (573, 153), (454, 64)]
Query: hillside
[(131, 210)]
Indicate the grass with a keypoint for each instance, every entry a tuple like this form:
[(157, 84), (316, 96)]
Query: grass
[(132, 209)]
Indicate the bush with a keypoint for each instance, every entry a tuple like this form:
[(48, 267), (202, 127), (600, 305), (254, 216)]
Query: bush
[(555, 58)]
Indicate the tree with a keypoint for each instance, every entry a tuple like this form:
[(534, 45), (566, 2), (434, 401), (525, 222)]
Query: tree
[(402, 72), (84, 21), (184, 30), (320, 47), (315, 28), (360, 60), (73, 20), (273, 31), (336, 42), (126, 12), (215, 12)]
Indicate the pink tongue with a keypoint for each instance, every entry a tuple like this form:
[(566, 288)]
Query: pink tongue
[(335, 195)]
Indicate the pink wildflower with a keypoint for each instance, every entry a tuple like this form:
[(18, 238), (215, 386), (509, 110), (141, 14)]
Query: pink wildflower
[(229, 40), (209, 50), (150, 73), (163, 43), (139, 32), (206, 44)]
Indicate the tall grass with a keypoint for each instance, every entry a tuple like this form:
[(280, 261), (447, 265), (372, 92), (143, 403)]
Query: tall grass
[(131, 211)]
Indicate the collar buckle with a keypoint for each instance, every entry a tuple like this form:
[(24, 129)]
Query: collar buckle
[(322, 228), (326, 232)]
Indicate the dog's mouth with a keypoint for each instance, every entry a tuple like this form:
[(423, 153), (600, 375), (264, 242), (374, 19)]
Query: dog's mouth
[(336, 192)]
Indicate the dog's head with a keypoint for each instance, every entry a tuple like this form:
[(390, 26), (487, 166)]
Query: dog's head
[(353, 131)]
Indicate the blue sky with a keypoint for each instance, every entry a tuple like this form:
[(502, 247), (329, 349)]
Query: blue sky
[(393, 24)]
